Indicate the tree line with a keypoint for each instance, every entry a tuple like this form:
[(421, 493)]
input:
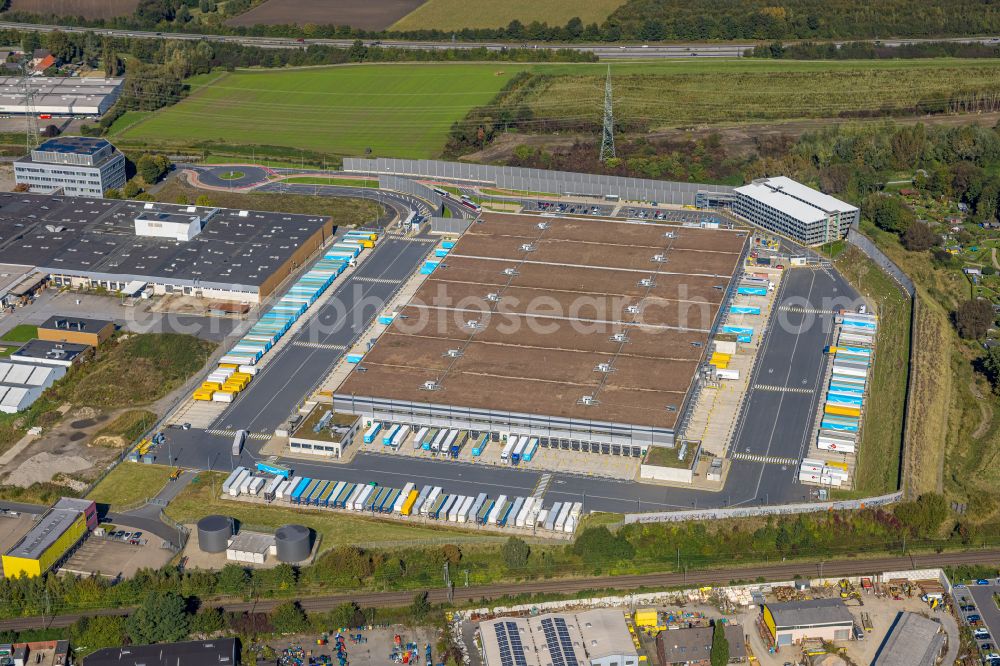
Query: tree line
[(873, 50), (639, 548), (645, 20)]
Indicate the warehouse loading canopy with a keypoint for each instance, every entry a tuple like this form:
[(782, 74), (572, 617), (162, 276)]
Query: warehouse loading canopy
[(134, 288), (28, 285)]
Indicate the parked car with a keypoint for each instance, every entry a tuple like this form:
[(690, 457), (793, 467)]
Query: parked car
[(972, 618), (982, 581), (981, 634)]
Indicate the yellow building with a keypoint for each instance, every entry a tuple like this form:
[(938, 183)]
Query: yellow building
[(51, 538)]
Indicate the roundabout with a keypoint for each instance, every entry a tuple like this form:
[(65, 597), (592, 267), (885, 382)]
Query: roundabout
[(233, 176)]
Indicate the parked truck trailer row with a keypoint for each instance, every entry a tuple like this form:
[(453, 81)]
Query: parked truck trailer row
[(428, 502), (449, 442)]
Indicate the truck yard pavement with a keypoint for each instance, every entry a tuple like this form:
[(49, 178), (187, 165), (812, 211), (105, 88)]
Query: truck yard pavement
[(772, 431), (335, 326)]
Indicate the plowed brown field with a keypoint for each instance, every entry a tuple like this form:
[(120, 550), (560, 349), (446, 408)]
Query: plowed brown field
[(91, 9), (365, 14)]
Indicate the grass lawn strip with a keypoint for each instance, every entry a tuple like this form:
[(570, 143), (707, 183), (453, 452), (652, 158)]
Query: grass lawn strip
[(321, 180), (20, 333), (878, 461), (130, 484)]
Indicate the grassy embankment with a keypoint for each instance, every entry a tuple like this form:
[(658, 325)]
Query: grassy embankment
[(959, 443), (407, 110), (129, 484), (878, 462), (344, 211)]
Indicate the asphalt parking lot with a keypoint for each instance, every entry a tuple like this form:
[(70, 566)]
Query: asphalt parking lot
[(982, 597), (114, 557)]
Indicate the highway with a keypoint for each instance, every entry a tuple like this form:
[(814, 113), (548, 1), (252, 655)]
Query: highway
[(603, 50), (464, 595)]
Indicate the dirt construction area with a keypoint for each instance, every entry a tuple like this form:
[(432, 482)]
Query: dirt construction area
[(364, 14)]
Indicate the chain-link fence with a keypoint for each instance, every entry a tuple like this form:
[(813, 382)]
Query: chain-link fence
[(754, 511), (539, 180)]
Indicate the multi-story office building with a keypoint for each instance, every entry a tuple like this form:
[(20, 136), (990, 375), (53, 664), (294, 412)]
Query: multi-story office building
[(789, 208), (74, 165)]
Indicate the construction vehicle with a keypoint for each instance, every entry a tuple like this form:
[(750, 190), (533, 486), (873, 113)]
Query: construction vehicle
[(866, 622)]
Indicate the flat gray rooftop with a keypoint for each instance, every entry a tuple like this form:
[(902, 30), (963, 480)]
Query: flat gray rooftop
[(913, 640), (77, 235), (50, 527)]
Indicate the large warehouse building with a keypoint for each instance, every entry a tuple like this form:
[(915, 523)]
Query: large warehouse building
[(130, 246), (60, 95), (74, 165), (56, 532), (789, 208), (588, 334)]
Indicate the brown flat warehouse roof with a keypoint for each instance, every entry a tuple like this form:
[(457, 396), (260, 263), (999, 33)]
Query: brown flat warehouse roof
[(503, 327)]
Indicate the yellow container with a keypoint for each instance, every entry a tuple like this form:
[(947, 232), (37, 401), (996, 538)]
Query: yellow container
[(721, 356), (203, 395), (211, 386), (228, 365), (842, 411), (838, 465), (720, 365), (645, 617), (410, 501)]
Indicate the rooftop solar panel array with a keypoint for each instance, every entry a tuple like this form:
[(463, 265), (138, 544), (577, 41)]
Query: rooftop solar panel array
[(558, 641), (511, 648)]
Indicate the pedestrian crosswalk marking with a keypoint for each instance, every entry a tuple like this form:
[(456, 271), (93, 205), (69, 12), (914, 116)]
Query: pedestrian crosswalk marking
[(770, 460), (782, 389), (375, 280), (260, 436), (542, 486), (319, 345)]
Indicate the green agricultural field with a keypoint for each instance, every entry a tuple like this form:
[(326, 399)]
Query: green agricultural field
[(681, 93), (406, 110), (398, 110), (458, 14)]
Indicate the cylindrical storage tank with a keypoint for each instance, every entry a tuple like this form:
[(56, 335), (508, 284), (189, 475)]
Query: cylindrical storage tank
[(214, 533), (293, 543)]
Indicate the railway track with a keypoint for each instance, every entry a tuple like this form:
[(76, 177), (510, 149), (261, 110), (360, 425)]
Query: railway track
[(771, 572)]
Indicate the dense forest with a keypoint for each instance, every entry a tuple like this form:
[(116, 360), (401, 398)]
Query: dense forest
[(645, 20)]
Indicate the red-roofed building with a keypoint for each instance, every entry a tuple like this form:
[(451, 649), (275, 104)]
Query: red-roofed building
[(45, 63)]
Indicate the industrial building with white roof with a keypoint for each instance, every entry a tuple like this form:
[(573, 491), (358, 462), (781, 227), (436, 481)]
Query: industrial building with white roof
[(60, 95), (794, 210), (596, 638)]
